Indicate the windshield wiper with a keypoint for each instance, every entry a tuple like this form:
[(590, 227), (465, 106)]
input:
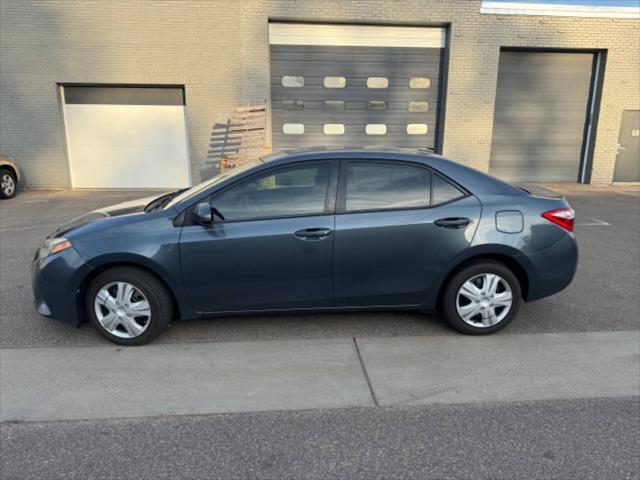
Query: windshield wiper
[(160, 202)]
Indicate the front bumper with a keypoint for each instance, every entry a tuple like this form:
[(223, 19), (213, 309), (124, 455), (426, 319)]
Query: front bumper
[(56, 282)]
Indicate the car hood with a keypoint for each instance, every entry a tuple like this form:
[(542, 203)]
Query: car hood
[(124, 208)]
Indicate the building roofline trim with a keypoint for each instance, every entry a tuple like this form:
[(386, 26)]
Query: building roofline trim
[(559, 9)]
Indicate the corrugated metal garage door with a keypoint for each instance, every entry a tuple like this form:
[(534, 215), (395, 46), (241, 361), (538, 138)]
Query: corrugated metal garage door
[(540, 115), (355, 85)]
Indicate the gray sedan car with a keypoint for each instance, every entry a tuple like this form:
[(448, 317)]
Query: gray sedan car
[(312, 230)]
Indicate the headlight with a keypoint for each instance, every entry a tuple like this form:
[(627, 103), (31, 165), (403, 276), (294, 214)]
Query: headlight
[(54, 245)]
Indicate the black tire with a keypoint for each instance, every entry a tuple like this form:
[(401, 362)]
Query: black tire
[(449, 298), (3, 172), (156, 293)]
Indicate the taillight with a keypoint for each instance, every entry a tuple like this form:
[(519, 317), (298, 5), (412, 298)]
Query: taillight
[(562, 216)]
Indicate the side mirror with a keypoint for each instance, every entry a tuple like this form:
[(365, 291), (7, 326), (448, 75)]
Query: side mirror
[(203, 214)]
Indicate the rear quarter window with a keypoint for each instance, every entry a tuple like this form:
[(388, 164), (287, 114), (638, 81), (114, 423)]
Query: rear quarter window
[(443, 191)]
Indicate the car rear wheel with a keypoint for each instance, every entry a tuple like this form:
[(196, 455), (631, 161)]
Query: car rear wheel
[(482, 298), (129, 306), (7, 183)]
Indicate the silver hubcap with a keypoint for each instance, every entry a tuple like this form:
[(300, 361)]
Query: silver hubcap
[(7, 183), (484, 300), (122, 310)]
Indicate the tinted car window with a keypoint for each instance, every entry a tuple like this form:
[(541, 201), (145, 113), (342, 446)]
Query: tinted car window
[(197, 189), (288, 191), (381, 186), (442, 191)]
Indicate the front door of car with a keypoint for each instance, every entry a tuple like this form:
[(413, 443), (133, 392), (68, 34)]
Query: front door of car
[(273, 249), (398, 226)]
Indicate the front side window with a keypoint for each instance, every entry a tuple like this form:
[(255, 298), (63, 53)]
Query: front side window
[(300, 190), (385, 186), (190, 193)]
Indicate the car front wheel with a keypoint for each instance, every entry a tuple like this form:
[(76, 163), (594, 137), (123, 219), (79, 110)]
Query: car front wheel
[(482, 298), (128, 306)]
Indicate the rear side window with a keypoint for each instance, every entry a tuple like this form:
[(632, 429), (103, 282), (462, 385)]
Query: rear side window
[(443, 191), (286, 192), (385, 186)]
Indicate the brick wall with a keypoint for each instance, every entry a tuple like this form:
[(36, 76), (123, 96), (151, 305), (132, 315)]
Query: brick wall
[(219, 51)]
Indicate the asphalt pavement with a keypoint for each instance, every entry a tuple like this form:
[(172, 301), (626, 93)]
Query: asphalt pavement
[(579, 439), (366, 395)]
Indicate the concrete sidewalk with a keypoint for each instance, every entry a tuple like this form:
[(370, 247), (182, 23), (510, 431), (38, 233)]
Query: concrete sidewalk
[(40, 384)]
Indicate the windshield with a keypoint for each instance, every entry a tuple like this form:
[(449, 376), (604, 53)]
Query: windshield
[(195, 190)]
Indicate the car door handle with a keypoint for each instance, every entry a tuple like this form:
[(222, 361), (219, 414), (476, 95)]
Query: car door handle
[(313, 233), (452, 223)]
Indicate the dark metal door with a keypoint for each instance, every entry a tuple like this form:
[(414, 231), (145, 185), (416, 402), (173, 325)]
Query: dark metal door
[(628, 159), (540, 115), (353, 95)]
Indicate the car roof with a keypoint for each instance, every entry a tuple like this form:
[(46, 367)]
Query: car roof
[(351, 152), (473, 180)]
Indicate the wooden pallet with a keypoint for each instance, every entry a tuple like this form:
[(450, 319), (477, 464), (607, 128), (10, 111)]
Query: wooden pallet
[(241, 139)]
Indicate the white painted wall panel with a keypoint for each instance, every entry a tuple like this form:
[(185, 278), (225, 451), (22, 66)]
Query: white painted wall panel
[(127, 146), (355, 35)]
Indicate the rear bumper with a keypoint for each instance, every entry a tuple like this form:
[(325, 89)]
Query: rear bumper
[(553, 268), (56, 282)]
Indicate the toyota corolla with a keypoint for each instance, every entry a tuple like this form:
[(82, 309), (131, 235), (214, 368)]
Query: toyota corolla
[(312, 230)]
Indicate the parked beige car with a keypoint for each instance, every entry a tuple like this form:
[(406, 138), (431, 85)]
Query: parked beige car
[(9, 177)]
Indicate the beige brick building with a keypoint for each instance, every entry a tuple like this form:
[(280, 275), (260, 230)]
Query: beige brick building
[(219, 52)]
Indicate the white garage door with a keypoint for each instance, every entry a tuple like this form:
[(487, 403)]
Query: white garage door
[(126, 137)]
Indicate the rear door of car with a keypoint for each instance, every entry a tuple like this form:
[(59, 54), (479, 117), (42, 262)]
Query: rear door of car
[(398, 226)]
